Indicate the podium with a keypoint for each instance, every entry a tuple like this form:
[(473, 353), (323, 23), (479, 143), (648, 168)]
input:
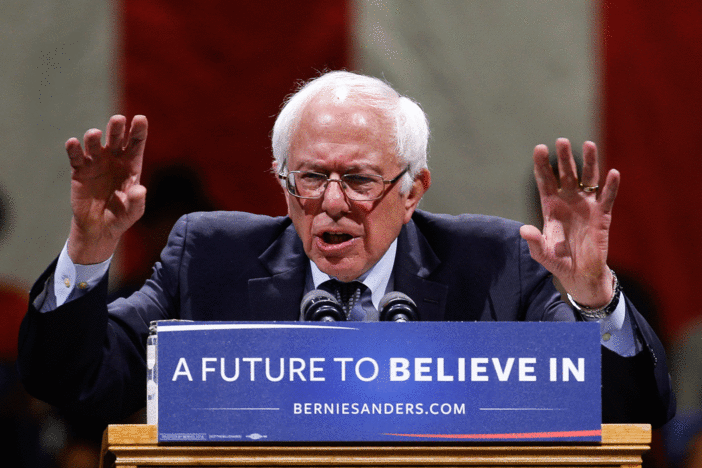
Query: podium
[(137, 446)]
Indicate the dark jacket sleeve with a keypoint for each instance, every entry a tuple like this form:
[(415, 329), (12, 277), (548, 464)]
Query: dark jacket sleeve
[(87, 357), (491, 276), (635, 389)]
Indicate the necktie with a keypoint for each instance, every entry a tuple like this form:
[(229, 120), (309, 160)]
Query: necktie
[(357, 305)]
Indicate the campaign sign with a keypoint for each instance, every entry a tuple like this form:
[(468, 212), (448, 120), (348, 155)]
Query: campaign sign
[(398, 382)]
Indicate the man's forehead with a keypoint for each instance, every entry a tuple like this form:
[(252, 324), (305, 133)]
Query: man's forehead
[(357, 117), (338, 106)]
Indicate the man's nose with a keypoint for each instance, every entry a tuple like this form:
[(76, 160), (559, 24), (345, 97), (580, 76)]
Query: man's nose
[(334, 201)]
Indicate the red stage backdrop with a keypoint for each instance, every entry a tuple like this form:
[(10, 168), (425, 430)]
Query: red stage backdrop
[(211, 76), (652, 108)]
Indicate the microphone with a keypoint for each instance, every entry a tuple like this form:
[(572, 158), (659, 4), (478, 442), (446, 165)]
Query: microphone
[(320, 306), (398, 307)]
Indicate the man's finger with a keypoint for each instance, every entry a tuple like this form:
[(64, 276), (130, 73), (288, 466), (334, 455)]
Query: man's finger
[(137, 135), (545, 180), (591, 171), (75, 153), (92, 143), (535, 241), (115, 133), (136, 199), (567, 170), (609, 191), (136, 144)]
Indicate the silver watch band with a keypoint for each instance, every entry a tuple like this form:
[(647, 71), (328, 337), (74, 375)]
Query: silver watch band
[(602, 312)]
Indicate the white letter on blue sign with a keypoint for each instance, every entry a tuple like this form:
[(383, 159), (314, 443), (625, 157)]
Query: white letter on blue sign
[(185, 371), (343, 361), (525, 370), (441, 377), (569, 368), (253, 361), (476, 369), (420, 369), (554, 369), (503, 374), (224, 375), (375, 369), (268, 370), (399, 369), (297, 370), (314, 369), (206, 369)]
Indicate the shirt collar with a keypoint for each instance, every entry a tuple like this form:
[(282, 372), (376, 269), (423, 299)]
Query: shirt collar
[(377, 279)]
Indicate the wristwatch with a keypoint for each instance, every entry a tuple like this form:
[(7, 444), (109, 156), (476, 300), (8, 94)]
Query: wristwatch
[(602, 312)]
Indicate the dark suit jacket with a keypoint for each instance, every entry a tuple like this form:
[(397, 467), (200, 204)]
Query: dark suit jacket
[(90, 356)]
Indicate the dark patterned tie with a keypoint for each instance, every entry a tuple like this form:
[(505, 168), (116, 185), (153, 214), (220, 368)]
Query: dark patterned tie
[(348, 294)]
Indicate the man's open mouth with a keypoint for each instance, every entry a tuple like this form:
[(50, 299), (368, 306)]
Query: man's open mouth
[(336, 238)]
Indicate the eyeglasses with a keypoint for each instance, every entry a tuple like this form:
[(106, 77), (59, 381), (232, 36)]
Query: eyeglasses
[(358, 187)]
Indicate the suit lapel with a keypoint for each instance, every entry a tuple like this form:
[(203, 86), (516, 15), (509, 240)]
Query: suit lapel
[(414, 262), (278, 296)]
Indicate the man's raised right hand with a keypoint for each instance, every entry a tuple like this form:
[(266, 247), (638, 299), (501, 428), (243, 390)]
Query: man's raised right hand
[(106, 195)]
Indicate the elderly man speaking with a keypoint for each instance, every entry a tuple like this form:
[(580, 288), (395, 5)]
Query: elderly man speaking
[(351, 156)]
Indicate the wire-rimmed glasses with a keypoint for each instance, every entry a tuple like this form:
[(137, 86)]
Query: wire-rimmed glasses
[(358, 187)]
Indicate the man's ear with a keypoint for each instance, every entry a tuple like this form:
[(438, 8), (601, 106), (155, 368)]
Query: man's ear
[(276, 172), (274, 169), (420, 185)]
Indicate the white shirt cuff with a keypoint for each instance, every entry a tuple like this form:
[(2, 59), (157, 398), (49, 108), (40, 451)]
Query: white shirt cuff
[(617, 332), (73, 280)]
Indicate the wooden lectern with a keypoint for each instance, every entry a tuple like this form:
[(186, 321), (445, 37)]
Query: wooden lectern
[(137, 445)]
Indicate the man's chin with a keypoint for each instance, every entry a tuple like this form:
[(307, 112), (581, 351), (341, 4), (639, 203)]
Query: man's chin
[(342, 269)]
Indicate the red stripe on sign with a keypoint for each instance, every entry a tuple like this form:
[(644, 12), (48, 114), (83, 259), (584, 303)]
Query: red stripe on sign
[(517, 435)]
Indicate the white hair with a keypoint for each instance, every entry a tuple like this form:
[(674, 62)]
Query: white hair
[(411, 127)]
